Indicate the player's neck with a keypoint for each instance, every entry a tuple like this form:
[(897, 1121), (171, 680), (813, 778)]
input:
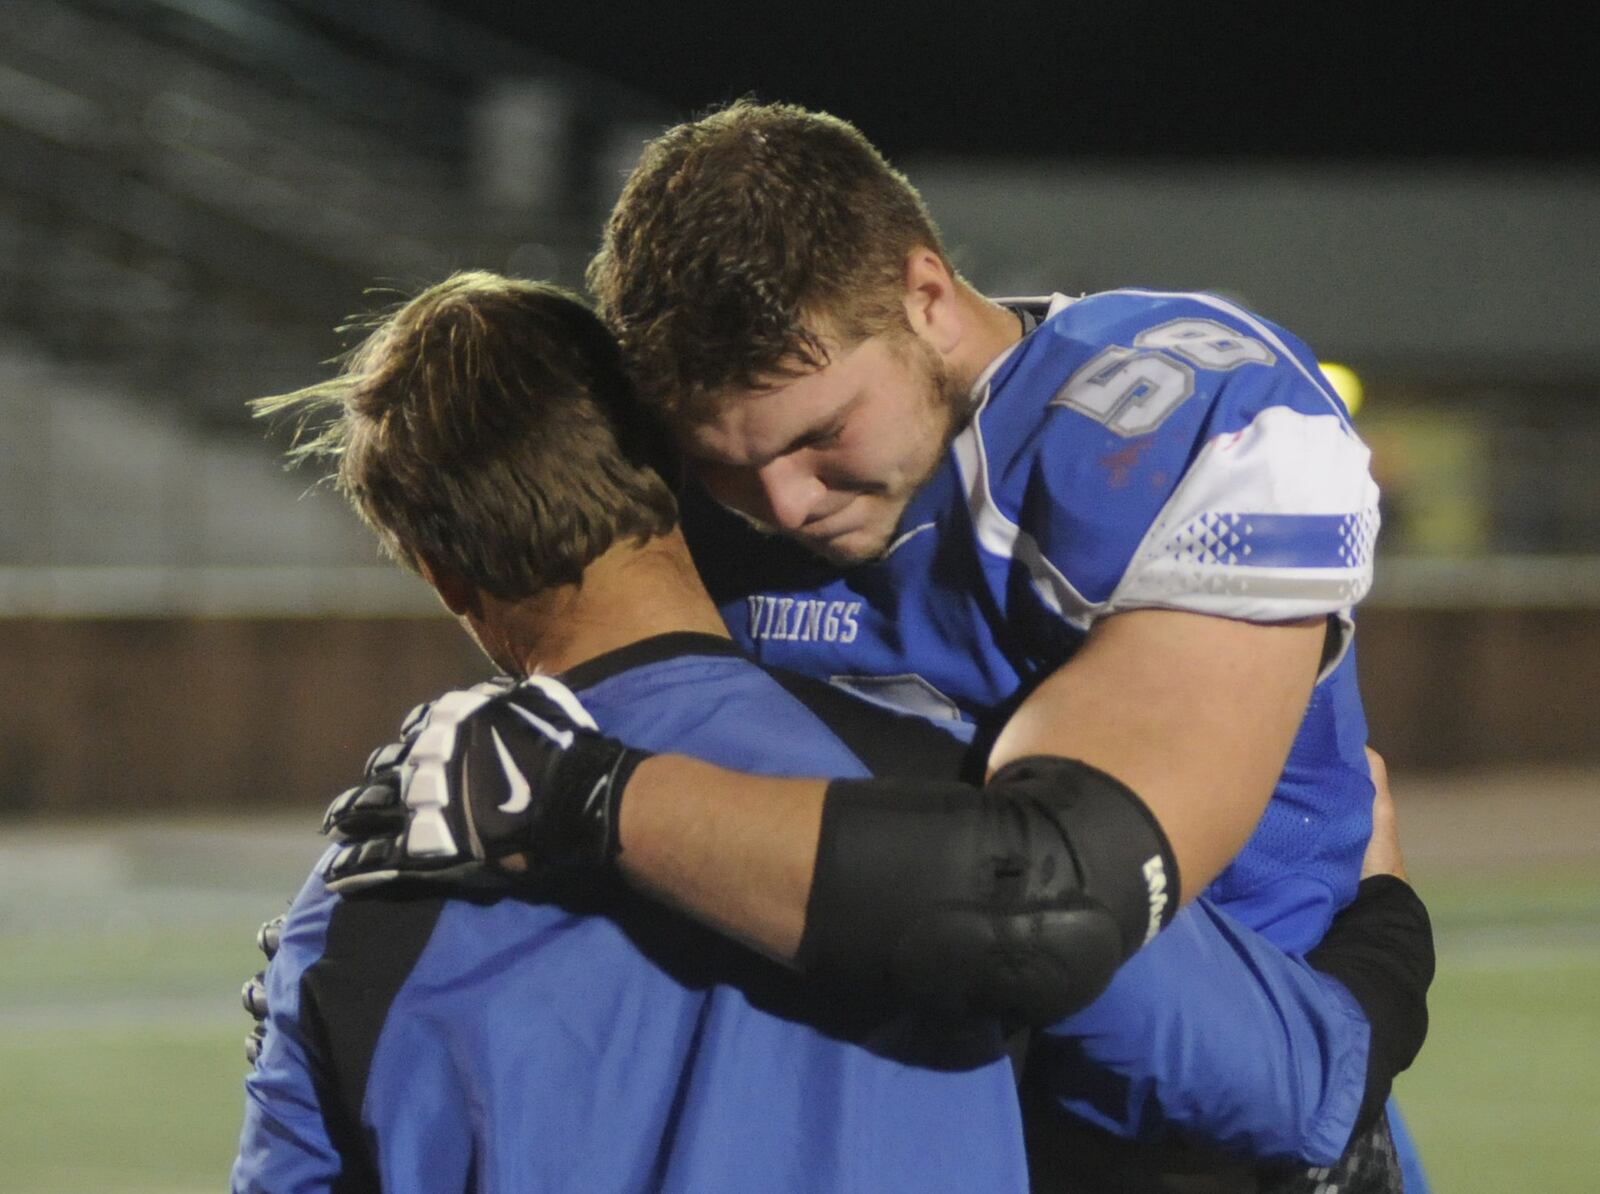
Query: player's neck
[(990, 330), (632, 592)]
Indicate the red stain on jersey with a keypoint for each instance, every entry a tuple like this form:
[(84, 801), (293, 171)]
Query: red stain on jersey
[(1122, 462)]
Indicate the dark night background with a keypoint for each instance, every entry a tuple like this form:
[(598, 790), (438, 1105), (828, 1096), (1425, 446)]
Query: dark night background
[(1141, 77)]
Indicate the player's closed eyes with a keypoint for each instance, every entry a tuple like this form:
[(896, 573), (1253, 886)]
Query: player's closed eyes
[(826, 438)]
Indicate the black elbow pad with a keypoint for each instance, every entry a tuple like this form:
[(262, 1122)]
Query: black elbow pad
[(1027, 967), (1018, 900)]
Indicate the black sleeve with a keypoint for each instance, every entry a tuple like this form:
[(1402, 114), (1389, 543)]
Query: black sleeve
[(1381, 949)]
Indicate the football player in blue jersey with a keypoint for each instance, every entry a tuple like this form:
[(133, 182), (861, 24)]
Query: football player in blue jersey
[(488, 463), (1125, 529)]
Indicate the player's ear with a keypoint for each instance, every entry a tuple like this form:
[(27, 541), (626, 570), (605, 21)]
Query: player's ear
[(932, 308), (459, 595)]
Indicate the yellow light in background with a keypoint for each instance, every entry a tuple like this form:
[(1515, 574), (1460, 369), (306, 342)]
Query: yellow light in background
[(1345, 383)]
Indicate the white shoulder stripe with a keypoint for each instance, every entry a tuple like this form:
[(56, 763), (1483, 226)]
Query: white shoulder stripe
[(1273, 522), (1260, 329)]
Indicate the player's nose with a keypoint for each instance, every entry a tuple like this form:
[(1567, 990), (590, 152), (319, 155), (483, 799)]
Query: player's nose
[(791, 490)]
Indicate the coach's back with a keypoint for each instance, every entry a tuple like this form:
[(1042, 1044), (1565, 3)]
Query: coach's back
[(591, 1041)]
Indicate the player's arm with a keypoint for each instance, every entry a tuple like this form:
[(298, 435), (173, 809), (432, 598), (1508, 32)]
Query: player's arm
[(1017, 899), (1205, 712), (1193, 712)]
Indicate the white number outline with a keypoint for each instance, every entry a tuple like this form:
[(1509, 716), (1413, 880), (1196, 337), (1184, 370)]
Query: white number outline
[(1132, 391), (1197, 341)]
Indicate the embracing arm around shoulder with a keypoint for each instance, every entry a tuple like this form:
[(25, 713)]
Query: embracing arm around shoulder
[(1194, 713), (736, 851), (1018, 899), (930, 891)]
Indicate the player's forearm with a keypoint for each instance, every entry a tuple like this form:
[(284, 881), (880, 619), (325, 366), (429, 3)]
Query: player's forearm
[(733, 851), (1016, 900)]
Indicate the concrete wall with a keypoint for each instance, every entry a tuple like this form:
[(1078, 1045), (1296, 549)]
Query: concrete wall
[(91, 478), (208, 715), (234, 715)]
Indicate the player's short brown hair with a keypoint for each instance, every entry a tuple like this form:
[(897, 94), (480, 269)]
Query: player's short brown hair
[(487, 428), (742, 241)]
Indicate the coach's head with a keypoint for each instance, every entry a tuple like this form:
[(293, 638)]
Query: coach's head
[(481, 431)]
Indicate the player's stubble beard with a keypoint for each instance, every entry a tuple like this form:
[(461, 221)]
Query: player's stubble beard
[(948, 402)]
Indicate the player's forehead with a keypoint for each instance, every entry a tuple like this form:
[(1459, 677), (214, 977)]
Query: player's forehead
[(751, 426), (748, 426)]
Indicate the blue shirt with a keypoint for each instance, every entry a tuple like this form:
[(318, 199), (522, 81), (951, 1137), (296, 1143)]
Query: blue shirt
[(597, 1043)]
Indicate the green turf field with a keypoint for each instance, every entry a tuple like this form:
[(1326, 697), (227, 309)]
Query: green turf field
[(1506, 1095), (121, 1035)]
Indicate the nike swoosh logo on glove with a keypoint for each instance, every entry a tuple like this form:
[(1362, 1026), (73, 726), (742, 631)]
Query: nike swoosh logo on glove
[(521, 794)]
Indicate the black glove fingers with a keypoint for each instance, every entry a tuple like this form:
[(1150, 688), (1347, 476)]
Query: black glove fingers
[(413, 720), (338, 808), (269, 936), (254, 992), (481, 774), (254, 1042), (362, 859), (254, 995), (366, 809)]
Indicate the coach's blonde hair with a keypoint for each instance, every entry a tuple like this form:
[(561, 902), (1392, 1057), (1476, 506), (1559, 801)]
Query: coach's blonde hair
[(486, 428)]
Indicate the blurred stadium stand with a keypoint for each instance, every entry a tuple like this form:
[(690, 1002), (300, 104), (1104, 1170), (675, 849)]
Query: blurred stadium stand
[(194, 193)]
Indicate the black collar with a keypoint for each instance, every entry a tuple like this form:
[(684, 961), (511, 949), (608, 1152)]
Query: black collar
[(647, 650)]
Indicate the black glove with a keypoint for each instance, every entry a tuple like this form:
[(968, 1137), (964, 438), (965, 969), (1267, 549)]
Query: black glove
[(254, 992), (478, 776)]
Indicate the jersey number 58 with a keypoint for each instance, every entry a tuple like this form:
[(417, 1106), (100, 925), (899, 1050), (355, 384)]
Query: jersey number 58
[(1132, 390)]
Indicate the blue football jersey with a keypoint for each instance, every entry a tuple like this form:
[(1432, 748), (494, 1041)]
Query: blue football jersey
[(1135, 450)]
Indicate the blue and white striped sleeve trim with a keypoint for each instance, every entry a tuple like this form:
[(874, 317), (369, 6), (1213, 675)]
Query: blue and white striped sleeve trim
[(1273, 522)]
